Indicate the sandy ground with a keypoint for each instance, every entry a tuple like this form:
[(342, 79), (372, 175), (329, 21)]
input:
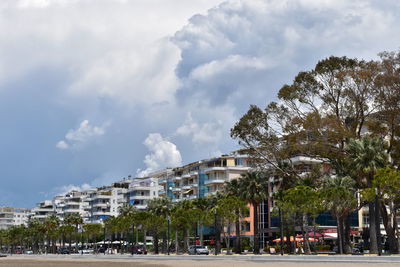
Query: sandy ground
[(50, 262)]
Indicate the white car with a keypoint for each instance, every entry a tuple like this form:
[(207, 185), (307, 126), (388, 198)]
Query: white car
[(197, 250)]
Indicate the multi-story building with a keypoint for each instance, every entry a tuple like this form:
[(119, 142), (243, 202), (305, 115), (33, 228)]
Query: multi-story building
[(201, 178), (141, 190), (105, 201), (43, 210), (13, 216), (6, 217)]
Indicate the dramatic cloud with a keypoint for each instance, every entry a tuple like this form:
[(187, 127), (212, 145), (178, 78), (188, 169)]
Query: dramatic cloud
[(242, 51), (144, 67), (163, 154), (78, 137)]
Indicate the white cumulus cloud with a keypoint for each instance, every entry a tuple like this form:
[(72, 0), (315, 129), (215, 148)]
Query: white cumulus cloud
[(205, 133), (83, 134), (163, 154)]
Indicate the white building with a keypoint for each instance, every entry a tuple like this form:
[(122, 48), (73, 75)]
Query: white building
[(141, 190)]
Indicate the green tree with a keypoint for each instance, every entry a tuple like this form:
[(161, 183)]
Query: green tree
[(232, 210), (367, 155), (339, 198), (386, 184), (73, 220), (160, 209), (253, 188), (52, 225)]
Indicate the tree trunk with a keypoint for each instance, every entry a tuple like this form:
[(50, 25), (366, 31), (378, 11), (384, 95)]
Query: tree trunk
[(176, 242), (155, 242), (201, 234), (186, 240), (307, 250), (256, 248), (339, 234), (237, 240), (228, 247), (164, 242), (390, 231), (373, 242), (347, 247)]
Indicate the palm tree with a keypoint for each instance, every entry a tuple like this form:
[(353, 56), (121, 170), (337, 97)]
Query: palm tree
[(204, 216), (253, 188), (160, 209), (232, 189), (73, 220), (127, 213), (93, 230), (51, 225), (340, 200), (366, 156)]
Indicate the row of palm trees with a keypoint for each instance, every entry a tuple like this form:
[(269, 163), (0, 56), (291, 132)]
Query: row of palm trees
[(174, 226)]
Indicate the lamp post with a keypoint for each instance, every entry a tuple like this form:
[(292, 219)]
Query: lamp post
[(378, 223), (104, 240), (133, 236), (215, 229), (168, 233), (281, 229)]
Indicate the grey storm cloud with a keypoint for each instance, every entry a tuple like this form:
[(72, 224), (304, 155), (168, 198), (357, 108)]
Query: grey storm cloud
[(141, 67), (243, 50)]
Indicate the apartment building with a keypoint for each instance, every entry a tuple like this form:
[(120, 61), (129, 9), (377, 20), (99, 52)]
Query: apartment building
[(13, 216), (43, 210), (202, 178), (141, 190), (105, 201)]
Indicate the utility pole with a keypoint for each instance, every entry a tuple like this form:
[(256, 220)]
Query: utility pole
[(281, 229), (168, 233)]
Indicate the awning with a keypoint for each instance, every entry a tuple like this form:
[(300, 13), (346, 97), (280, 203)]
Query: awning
[(188, 191)]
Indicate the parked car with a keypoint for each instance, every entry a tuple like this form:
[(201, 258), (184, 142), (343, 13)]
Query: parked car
[(63, 250), (197, 250), (139, 249), (28, 251)]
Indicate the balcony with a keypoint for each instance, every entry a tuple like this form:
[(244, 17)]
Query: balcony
[(238, 168), (176, 189), (140, 197), (177, 178), (194, 173), (214, 181), (186, 187), (161, 192), (162, 181), (214, 169), (101, 205), (187, 175), (72, 211), (101, 197), (139, 187), (101, 213)]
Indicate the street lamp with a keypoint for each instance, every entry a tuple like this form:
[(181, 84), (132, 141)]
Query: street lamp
[(215, 229), (168, 233), (281, 229), (378, 223)]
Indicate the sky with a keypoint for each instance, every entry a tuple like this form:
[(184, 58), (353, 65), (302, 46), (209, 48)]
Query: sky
[(92, 91)]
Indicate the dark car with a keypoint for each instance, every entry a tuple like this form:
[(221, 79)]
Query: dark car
[(63, 251), (139, 249)]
